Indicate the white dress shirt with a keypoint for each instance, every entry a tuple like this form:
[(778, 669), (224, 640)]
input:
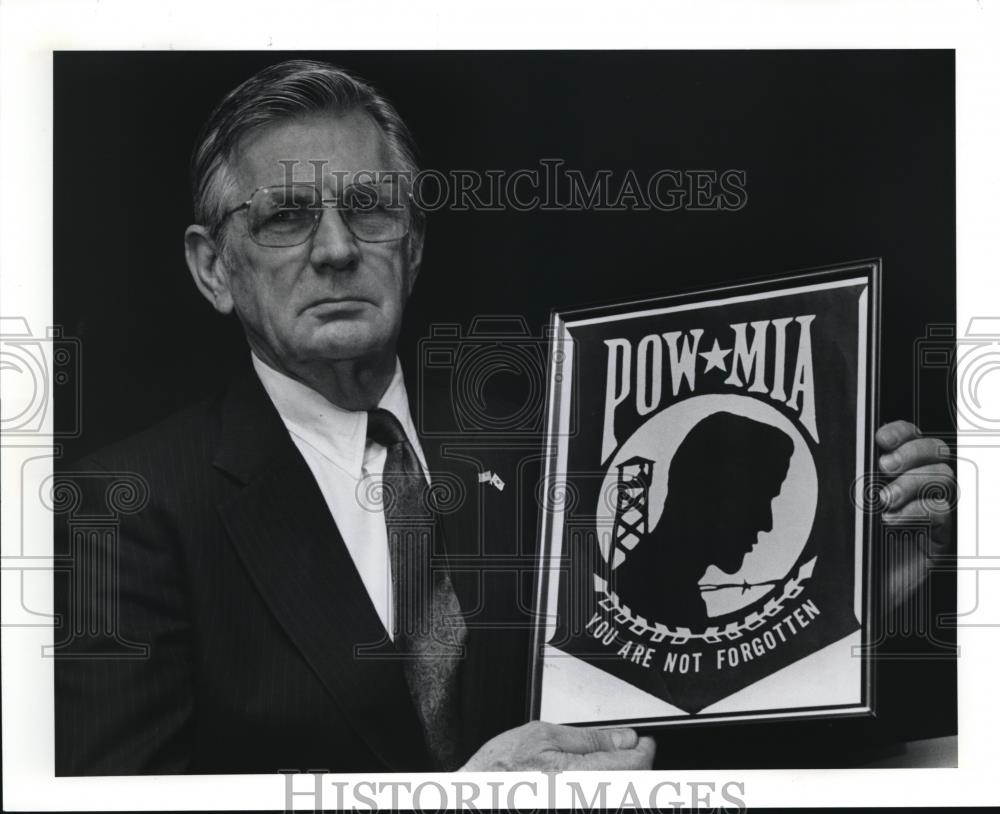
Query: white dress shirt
[(347, 468)]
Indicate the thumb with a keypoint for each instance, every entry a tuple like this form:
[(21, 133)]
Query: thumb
[(582, 741), (624, 738)]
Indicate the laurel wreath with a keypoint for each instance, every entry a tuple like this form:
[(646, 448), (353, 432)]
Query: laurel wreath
[(658, 632)]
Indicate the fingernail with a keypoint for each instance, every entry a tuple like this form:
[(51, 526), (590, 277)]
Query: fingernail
[(888, 462), (622, 738)]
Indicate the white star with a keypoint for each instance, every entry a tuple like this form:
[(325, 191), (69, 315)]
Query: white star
[(716, 357)]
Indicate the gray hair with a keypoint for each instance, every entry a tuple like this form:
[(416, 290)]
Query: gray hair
[(278, 93)]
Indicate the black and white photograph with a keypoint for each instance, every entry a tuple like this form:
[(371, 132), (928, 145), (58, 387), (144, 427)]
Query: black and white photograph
[(492, 412)]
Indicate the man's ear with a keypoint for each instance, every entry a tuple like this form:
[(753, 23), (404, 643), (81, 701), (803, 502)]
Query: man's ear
[(207, 269)]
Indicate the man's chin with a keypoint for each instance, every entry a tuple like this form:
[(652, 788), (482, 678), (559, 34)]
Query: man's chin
[(347, 344), (731, 568)]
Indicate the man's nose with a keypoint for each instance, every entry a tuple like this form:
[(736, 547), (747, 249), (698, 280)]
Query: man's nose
[(333, 245)]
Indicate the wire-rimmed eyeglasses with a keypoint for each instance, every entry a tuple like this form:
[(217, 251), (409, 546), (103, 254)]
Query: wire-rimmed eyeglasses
[(288, 215)]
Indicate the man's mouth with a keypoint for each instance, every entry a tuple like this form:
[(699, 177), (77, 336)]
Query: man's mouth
[(335, 303)]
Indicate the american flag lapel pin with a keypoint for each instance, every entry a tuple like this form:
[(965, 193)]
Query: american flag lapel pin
[(487, 476)]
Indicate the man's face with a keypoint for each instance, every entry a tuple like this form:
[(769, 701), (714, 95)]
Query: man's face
[(741, 512), (333, 297)]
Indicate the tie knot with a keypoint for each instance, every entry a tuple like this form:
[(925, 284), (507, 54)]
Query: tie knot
[(384, 428)]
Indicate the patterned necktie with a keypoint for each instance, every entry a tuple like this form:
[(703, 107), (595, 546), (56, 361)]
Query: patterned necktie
[(428, 629)]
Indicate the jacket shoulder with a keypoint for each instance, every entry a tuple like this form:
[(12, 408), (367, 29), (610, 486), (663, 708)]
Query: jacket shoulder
[(185, 438)]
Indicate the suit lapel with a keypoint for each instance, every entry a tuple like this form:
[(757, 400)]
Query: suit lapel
[(284, 534)]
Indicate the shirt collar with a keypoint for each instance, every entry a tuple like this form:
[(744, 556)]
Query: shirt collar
[(339, 435)]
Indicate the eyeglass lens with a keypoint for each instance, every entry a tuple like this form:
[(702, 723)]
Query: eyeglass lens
[(288, 215)]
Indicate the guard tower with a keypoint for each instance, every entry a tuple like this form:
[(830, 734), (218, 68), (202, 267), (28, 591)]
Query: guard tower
[(632, 510)]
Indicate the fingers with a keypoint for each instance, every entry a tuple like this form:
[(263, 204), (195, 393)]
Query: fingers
[(635, 759), (913, 453), (924, 493), (603, 749), (924, 489), (895, 433), (582, 741), (543, 746)]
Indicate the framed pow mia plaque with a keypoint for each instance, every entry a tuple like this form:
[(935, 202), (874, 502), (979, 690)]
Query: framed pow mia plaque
[(705, 545)]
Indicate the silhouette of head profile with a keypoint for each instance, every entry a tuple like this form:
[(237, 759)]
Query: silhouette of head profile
[(721, 482)]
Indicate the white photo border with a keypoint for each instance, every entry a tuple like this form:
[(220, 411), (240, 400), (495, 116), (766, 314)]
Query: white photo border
[(30, 30)]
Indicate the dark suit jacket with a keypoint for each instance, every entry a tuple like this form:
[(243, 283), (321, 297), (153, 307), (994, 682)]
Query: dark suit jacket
[(211, 614)]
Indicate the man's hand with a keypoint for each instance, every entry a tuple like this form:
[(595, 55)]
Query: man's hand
[(540, 746), (922, 490), (924, 483)]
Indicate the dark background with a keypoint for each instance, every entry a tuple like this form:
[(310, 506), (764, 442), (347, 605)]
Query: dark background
[(848, 155)]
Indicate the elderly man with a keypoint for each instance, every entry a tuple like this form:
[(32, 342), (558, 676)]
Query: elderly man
[(292, 616)]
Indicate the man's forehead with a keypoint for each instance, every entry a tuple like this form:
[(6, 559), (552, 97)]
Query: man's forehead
[(331, 147)]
